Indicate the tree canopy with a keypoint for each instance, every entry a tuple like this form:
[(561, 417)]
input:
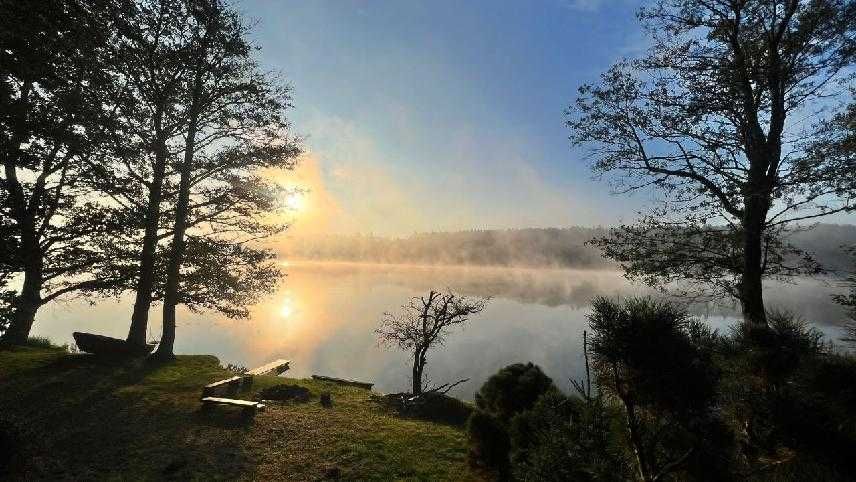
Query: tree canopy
[(726, 117)]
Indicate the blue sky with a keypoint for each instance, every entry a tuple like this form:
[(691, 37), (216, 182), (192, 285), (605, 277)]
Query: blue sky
[(443, 115)]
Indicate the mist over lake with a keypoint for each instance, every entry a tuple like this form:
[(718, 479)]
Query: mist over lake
[(324, 315)]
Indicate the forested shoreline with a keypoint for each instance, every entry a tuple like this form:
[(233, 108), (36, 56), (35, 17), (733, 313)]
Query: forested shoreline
[(529, 247)]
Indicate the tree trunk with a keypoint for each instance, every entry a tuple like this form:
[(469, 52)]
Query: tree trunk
[(25, 306), (751, 290), (176, 256), (643, 466), (416, 387), (29, 300), (145, 281), (756, 204), (418, 369)]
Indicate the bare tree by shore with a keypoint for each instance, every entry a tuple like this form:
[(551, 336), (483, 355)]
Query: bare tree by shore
[(423, 324)]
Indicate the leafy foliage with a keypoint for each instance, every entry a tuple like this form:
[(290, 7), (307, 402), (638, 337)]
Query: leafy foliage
[(567, 438), (658, 363), (512, 390), (707, 118)]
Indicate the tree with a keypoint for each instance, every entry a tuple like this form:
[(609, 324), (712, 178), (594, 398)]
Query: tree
[(713, 117), (849, 301), (657, 362), (153, 58), (236, 127), (53, 124), (424, 324)]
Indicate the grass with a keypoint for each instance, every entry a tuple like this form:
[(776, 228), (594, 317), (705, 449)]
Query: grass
[(76, 417)]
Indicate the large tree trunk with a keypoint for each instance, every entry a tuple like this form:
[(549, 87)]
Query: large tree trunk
[(29, 299), (418, 368), (145, 281), (25, 306), (756, 203), (751, 290), (176, 256)]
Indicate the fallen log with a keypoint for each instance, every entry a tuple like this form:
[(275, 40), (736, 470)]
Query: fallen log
[(108, 346), (343, 381), (227, 386), (276, 367), (249, 408)]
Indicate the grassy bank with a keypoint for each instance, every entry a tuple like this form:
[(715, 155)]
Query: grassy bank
[(75, 417)]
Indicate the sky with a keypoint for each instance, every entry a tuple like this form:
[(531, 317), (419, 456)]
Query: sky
[(443, 115)]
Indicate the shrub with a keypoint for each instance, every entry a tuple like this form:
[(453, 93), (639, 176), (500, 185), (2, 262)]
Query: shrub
[(566, 438), (512, 390), (40, 342), (441, 408), (656, 352), (777, 353), (658, 362), (489, 444)]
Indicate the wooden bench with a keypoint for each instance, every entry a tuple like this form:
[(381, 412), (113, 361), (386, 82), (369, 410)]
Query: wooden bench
[(249, 408), (227, 386), (277, 367), (342, 381)]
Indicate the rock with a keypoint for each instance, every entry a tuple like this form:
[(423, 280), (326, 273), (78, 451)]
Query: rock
[(332, 472), (107, 346), (285, 392), (326, 400), (175, 466)]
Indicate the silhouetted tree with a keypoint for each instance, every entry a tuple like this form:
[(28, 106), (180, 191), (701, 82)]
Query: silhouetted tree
[(713, 116), (236, 128), (424, 324), (53, 124), (153, 57)]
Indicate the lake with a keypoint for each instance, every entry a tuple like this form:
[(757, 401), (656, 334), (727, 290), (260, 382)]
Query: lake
[(324, 315)]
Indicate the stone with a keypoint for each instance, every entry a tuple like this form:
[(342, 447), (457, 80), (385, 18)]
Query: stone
[(332, 472), (326, 400)]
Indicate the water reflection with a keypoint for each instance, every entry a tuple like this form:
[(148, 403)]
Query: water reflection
[(324, 315)]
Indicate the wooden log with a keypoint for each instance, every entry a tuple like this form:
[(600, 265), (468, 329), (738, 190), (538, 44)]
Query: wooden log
[(276, 367), (229, 385), (109, 347), (249, 407), (343, 381)]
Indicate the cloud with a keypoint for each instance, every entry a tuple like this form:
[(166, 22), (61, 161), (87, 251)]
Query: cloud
[(399, 183)]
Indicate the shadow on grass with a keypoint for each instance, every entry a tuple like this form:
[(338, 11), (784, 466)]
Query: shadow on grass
[(83, 417)]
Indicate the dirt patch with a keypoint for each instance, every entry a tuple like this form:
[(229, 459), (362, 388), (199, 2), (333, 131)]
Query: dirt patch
[(285, 392)]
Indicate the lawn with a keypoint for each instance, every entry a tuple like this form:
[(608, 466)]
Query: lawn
[(77, 417)]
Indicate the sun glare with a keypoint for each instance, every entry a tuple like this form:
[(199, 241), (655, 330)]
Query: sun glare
[(287, 308), (296, 201)]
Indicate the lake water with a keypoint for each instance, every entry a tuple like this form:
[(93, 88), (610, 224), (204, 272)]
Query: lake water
[(324, 315)]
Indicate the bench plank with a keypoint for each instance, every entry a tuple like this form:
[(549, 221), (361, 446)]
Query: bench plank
[(276, 367), (227, 385), (238, 403), (343, 381)]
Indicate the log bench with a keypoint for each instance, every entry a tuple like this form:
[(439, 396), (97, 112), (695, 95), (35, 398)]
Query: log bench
[(227, 386), (248, 408), (277, 367), (343, 381)]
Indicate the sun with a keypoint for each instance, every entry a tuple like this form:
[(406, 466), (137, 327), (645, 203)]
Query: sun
[(287, 308), (296, 201)]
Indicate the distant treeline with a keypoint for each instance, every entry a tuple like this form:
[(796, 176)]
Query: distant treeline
[(531, 247)]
